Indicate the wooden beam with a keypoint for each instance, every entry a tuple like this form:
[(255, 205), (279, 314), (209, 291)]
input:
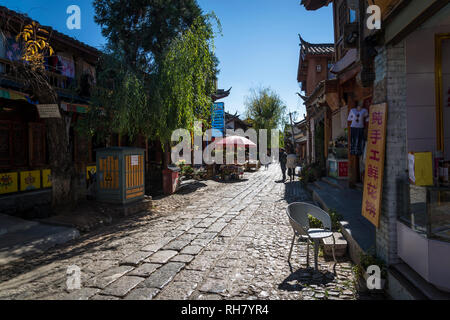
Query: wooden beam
[(419, 20)]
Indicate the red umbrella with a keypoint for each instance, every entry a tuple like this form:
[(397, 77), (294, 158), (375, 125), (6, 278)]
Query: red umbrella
[(235, 141)]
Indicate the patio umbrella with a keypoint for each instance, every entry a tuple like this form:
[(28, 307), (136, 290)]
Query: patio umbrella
[(235, 140)]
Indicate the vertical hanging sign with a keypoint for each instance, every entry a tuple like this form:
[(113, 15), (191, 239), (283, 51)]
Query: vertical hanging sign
[(218, 119), (376, 148)]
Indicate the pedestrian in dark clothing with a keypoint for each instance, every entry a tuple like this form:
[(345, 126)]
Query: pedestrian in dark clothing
[(283, 161)]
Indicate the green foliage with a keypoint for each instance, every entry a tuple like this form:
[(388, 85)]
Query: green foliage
[(369, 259), (143, 29), (311, 172), (266, 110), (119, 102), (185, 80), (177, 92), (335, 218)]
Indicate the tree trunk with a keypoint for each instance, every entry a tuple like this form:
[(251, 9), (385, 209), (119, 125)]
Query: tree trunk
[(64, 187)]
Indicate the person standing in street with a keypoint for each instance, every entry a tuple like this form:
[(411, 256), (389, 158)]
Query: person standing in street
[(291, 165), (283, 161)]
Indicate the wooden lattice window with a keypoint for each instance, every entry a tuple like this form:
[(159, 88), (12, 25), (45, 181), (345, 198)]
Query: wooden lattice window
[(19, 146), (13, 144), (37, 144), (5, 144)]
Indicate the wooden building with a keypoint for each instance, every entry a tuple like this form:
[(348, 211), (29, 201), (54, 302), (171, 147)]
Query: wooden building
[(316, 81), (404, 68), (24, 155)]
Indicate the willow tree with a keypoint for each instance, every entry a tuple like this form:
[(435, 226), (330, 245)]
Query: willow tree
[(185, 80), (119, 102)]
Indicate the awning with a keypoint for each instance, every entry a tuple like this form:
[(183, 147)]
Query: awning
[(77, 108), (13, 95), (346, 61)]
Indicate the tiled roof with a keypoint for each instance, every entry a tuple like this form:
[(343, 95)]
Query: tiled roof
[(316, 48), (5, 12), (315, 4)]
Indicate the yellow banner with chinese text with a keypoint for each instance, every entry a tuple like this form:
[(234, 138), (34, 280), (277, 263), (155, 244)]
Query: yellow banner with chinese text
[(376, 148)]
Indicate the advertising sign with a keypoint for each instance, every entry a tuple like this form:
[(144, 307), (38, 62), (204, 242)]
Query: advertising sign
[(376, 148)]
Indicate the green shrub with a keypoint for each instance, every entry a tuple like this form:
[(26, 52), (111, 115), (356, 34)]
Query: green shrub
[(335, 218), (369, 259)]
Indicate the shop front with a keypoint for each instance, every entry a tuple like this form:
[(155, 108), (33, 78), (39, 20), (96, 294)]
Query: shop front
[(423, 226)]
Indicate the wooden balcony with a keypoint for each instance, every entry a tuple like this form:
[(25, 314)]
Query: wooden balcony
[(8, 71)]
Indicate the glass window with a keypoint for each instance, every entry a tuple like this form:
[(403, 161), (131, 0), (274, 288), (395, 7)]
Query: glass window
[(428, 211)]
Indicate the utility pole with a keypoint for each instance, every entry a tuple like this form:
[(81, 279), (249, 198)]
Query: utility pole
[(292, 130)]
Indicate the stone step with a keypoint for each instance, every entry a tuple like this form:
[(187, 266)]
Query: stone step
[(405, 283), (358, 232), (332, 182), (9, 224), (36, 239)]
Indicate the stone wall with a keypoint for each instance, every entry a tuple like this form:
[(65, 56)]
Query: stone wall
[(390, 87)]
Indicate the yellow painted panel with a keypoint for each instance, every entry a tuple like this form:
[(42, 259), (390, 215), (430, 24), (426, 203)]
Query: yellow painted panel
[(8, 182), (46, 178), (30, 180), (90, 169)]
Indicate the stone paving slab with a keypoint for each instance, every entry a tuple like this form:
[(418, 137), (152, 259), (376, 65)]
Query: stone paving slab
[(142, 294), (122, 286), (191, 250), (136, 258), (185, 258), (176, 245), (163, 275), (107, 277), (162, 256), (144, 270), (243, 258)]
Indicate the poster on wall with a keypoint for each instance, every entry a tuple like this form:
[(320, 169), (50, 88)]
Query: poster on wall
[(376, 148), (48, 111)]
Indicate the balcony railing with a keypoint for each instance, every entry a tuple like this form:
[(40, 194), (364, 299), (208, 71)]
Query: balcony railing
[(8, 70)]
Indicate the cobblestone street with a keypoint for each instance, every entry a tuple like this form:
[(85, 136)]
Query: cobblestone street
[(219, 241)]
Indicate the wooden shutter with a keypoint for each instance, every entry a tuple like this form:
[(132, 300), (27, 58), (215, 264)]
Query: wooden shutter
[(5, 144), (37, 144), (19, 145)]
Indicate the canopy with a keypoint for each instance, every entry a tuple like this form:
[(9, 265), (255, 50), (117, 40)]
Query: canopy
[(235, 140)]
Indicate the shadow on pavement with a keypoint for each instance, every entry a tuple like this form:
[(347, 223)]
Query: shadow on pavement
[(305, 277)]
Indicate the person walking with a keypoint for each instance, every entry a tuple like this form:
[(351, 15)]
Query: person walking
[(291, 165), (283, 161), (269, 158)]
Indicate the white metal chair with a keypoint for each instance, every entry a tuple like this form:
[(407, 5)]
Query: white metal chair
[(298, 217)]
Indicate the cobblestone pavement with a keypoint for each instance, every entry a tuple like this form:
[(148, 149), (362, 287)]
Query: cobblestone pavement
[(220, 241)]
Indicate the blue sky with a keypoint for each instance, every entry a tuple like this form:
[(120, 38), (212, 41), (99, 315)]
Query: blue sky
[(259, 45)]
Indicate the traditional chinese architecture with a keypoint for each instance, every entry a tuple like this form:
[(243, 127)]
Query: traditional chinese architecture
[(319, 89), (25, 175), (400, 75)]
